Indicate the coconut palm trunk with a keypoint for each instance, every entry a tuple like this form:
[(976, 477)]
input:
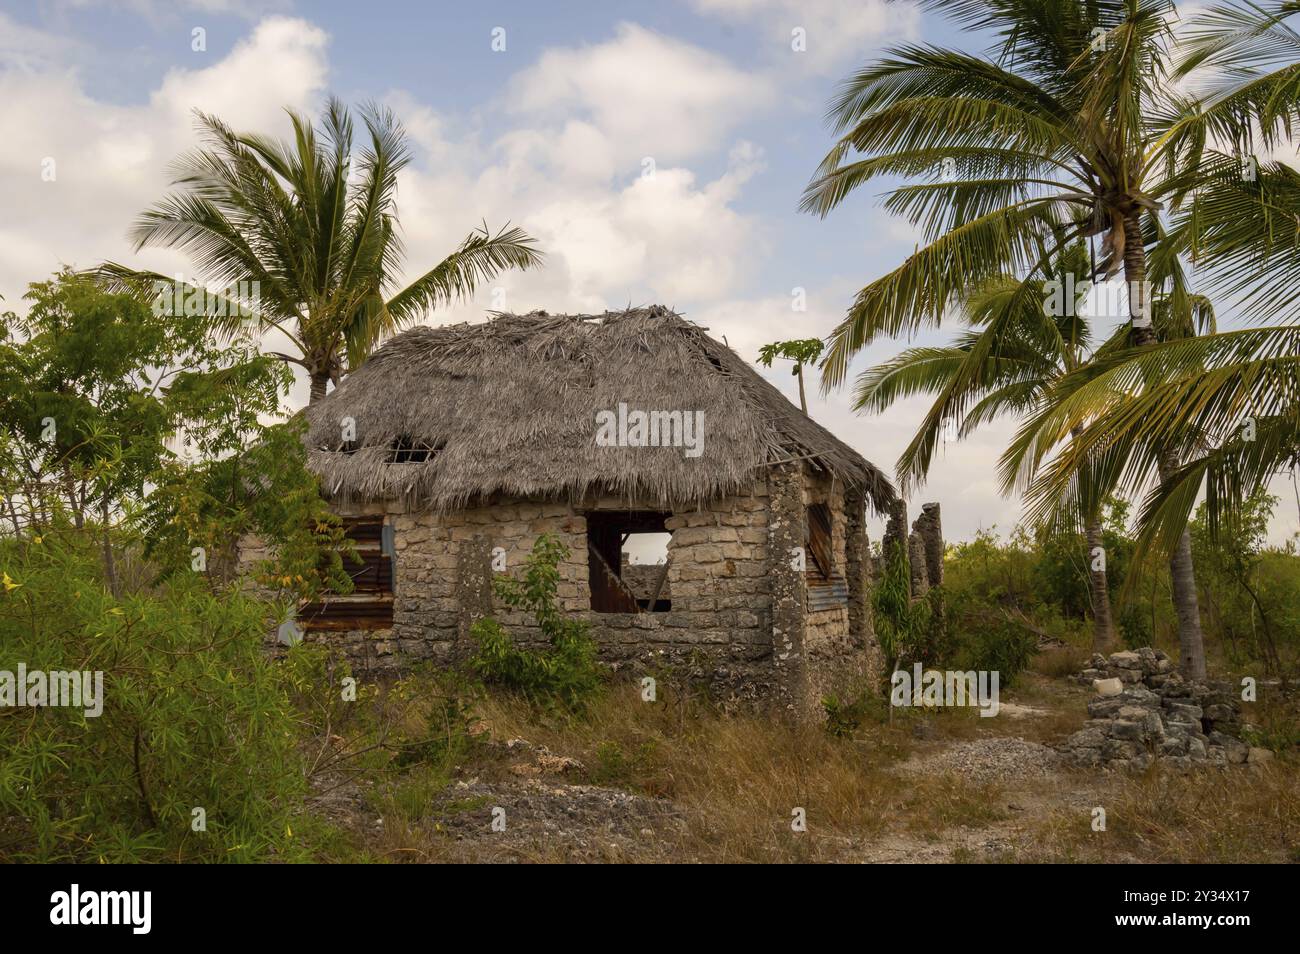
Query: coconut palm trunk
[(1182, 576), (1103, 628), (319, 382)]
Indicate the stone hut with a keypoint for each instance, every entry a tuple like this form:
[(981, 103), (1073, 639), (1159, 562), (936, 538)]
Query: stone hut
[(453, 448)]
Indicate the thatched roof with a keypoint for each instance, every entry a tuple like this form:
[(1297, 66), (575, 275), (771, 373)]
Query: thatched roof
[(446, 415)]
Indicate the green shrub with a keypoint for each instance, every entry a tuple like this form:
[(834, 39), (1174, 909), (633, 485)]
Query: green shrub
[(905, 627), (1006, 650), (1134, 624), (565, 675), (843, 718), (614, 765), (195, 716)]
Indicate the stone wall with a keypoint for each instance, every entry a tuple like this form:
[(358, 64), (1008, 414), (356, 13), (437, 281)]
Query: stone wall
[(738, 619), (841, 651), (642, 578), (718, 629), (787, 530)]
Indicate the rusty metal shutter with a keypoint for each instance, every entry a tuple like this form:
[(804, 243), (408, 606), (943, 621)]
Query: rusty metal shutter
[(370, 604), (819, 539)]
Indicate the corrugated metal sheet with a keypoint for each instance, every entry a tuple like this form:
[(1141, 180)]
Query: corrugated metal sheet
[(370, 604), (347, 612), (827, 594)]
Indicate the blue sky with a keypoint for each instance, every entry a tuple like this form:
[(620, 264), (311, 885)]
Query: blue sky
[(553, 134)]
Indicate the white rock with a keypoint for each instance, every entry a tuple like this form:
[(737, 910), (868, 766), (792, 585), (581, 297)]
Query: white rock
[(1108, 687)]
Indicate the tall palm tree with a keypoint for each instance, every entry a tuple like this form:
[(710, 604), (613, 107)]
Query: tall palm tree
[(1036, 350), (1230, 402), (313, 229), (1072, 119)]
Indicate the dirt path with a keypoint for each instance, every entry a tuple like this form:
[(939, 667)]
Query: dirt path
[(1030, 785)]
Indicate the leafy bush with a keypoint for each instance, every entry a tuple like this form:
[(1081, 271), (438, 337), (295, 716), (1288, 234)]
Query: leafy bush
[(843, 718), (565, 675), (1249, 592), (195, 716), (904, 627), (1006, 650), (266, 491)]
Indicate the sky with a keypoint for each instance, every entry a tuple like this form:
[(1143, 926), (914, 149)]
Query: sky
[(656, 150)]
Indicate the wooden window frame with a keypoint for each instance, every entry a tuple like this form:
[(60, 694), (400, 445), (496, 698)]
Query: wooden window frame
[(607, 530), (370, 605)]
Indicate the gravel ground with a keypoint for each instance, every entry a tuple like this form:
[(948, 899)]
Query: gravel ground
[(578, 822), (988, 760)]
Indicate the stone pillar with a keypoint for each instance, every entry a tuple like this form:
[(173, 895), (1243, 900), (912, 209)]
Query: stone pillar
[(930, 528), (928, 532), (786, 534), (857, 555), (473, 589), (916, 565), (895, 530)]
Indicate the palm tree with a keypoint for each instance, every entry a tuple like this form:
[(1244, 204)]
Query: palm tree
[(1036, 351), (1253, 55), (801, 351), (1229, 402), (1242, 224), (314, 234), (1073, 120)]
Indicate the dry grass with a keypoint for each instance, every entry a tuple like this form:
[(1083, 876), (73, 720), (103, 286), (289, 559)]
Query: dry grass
[(1059, 662), (732, 781), (728, 785), (736, 779), (1233, 815)]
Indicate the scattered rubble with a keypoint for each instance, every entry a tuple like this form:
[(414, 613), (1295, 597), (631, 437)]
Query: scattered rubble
[(537, 819), (1000, 759)]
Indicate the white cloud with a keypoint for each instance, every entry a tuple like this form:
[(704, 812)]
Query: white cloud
[(833, 31), (572, 171), (649, 94), (280, 65), (110, 160)]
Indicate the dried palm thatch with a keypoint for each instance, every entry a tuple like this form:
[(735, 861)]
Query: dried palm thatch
[(448, 415)]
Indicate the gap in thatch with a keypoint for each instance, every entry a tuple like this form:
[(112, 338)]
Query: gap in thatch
[(714, 360), (406, 450)]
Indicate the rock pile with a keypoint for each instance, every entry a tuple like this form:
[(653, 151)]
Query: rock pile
[(1145, 710)]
